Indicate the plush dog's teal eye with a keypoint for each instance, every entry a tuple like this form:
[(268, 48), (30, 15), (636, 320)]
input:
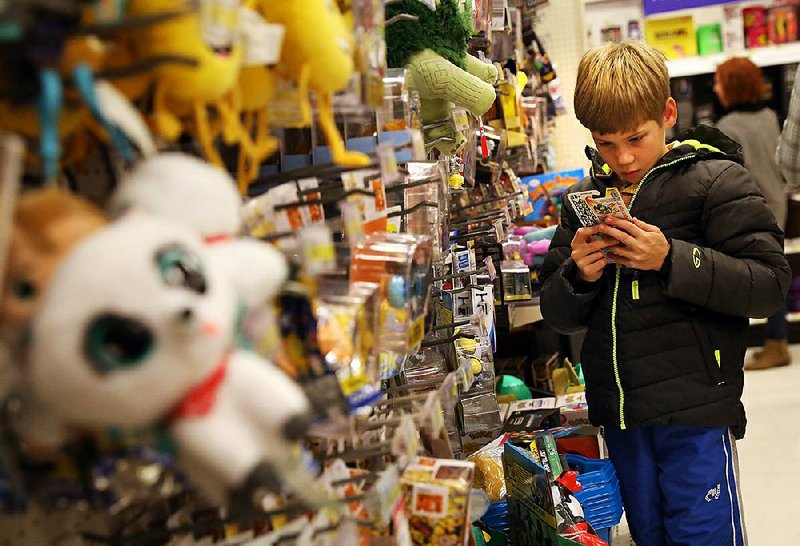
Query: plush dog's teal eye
[(181, 268), (116, 343)]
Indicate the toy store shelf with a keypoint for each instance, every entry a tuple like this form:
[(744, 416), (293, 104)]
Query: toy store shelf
[(791, 246), (755, 334), (707, 64), (790, 317), (523, 314)]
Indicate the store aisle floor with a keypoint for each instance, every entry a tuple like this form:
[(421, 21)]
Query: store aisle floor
[(768, 457), (769, 454)]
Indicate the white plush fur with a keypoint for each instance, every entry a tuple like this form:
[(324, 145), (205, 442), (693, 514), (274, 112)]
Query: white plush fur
[(199, 196), (184, 189), (115, 271), (257, 269)]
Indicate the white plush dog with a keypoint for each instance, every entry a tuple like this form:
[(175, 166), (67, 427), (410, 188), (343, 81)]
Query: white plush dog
[(198, 195), (137, 328)]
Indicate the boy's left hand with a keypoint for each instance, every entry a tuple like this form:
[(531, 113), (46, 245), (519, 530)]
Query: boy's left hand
[(645, 248)]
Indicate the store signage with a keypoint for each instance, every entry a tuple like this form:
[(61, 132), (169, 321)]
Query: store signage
[(660, 6)]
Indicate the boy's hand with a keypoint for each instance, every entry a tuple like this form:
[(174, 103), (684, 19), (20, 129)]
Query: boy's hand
[(587, 255), (643, 246)]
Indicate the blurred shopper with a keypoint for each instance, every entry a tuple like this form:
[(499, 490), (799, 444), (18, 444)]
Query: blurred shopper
[(739, 85), (788, 154)]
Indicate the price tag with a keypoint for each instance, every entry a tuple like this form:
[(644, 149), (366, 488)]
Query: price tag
[(219, 21), (448, 392), (394, 222), (353, 223), (434, 413), (460, 118), (314, 214), (469, 374), (416, 332), (498, 228), (262, 41), (418, 145), (461, 376), (406, 439), (489, 262), (387, 494), (374, 208), (388, 162)]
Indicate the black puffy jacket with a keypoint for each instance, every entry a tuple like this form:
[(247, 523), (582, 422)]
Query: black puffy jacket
[(667, 348)]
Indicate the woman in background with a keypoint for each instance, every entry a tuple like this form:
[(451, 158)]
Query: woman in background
[(739, 85)]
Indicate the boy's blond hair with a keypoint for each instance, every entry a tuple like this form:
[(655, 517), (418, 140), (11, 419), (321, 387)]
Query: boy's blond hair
[(620, 86)]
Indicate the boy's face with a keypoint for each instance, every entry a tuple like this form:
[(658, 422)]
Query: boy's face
[(631, 154)]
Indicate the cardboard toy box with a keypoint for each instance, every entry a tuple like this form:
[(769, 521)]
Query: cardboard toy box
[(531, 512), (574, 410), (675, 36)]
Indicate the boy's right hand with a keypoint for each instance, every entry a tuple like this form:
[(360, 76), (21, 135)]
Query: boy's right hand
[(587, 253)]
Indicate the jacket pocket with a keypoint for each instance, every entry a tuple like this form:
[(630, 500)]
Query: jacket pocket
[(711, 353)]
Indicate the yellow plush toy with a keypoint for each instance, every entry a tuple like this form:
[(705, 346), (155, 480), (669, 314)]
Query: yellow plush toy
[(209, 37), (317, 54), (262, 46)]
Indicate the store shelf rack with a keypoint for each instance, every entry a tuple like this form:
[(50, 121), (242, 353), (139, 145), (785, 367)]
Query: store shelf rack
[(707, 64)]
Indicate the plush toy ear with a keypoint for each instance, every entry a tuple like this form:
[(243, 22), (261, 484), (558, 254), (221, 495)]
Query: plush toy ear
[(257, 269), (184, 189)]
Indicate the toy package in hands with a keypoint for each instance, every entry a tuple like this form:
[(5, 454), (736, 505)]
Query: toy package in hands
[(437, 495), (593, 210)]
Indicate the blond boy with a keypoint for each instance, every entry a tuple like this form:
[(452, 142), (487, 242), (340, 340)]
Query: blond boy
[(665, 299)]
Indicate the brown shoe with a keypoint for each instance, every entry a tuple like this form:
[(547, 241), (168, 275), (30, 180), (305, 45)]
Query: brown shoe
[(775, 354)]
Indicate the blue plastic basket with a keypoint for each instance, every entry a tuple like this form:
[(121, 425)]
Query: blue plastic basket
[(600, 495), (592, 471), (496, 517)]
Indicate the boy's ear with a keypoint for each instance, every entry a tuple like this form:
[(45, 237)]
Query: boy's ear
[(670, 113)]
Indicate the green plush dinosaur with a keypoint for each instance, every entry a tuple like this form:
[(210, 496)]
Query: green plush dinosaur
[(432, 45)]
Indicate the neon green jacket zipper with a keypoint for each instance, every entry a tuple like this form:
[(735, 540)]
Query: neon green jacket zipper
[(614, 360)]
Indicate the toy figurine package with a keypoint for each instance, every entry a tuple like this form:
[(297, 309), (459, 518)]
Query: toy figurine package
[(437, 500), (401, 265)]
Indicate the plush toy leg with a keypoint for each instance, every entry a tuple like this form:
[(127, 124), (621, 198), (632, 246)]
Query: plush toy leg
[(485, 71), (253, 153), (205, 135), (243, 167), (229, 108), (167, 124), (434, 77), (327, 122), (303, 91)]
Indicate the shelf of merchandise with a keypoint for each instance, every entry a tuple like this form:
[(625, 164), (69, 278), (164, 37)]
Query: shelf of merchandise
[(707, 64), (791, 246), (521, 315)]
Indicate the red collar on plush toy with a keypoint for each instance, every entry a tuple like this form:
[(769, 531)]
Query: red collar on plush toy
[(218, 238), (199, 401)]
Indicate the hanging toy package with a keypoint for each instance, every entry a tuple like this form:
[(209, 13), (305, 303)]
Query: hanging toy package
[(401, 265)]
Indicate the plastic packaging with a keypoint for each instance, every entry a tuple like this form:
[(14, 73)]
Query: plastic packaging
[(437, 493), (401, 265), (489, 473)]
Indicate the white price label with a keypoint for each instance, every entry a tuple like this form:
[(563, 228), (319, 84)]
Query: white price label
[(460, 119), (262, 41), (388, 162)]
